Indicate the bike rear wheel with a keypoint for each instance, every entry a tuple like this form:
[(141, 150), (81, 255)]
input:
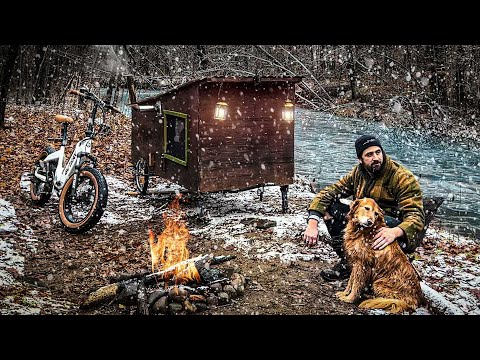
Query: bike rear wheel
[(41, 192), (141, 176), (80, 213)]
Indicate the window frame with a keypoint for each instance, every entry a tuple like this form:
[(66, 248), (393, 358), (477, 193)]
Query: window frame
[(165, 126)]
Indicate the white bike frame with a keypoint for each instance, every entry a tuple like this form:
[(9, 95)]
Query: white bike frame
[(62, 173)]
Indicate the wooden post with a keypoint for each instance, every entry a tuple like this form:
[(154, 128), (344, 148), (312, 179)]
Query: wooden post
[(131, 89)]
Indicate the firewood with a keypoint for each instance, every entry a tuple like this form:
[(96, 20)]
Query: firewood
[(105, 293), (169, 273), (142, 305), (114, 291), (123, 277), (221, 259), (202, 264), (108, 293)]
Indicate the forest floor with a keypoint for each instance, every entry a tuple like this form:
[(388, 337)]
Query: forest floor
[(45, 270)]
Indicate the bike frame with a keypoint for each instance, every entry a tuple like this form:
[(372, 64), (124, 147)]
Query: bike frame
[(82, 150), (62, 173)]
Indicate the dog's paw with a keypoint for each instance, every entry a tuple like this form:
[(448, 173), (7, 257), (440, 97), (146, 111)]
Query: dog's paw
[(345, 296), (340, 294)]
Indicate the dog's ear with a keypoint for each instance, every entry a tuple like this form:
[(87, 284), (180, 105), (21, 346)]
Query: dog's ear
[(353, 207)]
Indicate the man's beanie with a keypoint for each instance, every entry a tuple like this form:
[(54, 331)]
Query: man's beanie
[(364, 142)]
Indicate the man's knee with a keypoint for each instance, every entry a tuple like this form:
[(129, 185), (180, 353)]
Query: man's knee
[(339, 212), (412, 245)]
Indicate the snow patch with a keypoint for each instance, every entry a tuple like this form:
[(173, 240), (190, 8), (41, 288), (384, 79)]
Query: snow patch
[(439, 302), (7, 217)]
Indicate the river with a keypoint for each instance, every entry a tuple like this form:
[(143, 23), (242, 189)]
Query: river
[(324, 150)]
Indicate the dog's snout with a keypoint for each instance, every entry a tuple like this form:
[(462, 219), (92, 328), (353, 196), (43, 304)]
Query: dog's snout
[(369, 222)]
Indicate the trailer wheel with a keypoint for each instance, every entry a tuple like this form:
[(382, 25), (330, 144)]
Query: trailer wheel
[(141, 176)]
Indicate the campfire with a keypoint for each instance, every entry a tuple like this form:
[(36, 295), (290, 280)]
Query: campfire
[(176, 283), (170, 251)]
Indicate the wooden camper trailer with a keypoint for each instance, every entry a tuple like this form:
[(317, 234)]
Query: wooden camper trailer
[(176, 136)]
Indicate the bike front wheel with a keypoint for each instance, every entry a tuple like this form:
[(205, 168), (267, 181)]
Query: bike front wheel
[(79, 212)]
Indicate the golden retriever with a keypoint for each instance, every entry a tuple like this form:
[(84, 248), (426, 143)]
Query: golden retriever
[(394, 281)]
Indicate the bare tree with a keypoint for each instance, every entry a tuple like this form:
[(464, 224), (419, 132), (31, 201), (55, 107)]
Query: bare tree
[(7, 71)]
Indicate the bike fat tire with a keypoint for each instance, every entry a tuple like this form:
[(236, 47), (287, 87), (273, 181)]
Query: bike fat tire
[(141, 180), (99, 203), (37, 197)]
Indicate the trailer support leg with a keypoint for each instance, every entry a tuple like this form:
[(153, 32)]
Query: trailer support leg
[(284, 190), (260, 192)]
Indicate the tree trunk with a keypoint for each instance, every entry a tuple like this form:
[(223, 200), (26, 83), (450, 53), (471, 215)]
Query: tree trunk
[(6, 76), (460, 78), (438, 79), (131, 89), (19, 91), (352, 71), (204, 62), (118, 83), (38, 86), (111, 86)]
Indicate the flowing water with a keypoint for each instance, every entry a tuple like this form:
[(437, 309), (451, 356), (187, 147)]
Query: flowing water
[(324, 150)]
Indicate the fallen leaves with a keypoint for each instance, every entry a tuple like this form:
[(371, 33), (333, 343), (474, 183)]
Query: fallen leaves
[(28, 136)]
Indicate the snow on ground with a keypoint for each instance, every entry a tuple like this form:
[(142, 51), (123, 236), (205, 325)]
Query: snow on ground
[(12, 265), (259, 229), (456, 275), (285, 241), (122, 207), (10, 261)]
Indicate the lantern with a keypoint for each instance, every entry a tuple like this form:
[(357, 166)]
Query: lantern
[(287, 111), (221, 110)]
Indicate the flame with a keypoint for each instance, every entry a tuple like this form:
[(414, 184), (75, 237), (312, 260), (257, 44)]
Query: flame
[(170, 248)]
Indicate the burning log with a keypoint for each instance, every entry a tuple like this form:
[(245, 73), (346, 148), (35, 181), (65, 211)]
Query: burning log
[(181, 271), (130, 291)]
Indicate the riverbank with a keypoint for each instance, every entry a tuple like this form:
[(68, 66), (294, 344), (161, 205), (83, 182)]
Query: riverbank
[(452, 126)]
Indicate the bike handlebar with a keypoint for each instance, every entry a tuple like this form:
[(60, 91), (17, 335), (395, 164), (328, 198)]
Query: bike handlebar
[(113, 108), (91, 96)]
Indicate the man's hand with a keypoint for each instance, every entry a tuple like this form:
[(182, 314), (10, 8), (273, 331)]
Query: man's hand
[(386, 236), (310, 236), (327, 216)]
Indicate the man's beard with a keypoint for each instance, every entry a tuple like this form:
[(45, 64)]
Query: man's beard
[(374, 167)]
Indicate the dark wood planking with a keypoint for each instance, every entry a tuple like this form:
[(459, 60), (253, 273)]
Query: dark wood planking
[(252, 147)]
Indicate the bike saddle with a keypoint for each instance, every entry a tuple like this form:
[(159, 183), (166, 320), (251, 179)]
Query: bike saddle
[(63, 119)]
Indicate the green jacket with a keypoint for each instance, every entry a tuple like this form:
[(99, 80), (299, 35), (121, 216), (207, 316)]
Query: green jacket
[(394, 188)]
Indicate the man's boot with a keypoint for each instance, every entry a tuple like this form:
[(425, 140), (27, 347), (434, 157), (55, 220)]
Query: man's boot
[(341, 270)]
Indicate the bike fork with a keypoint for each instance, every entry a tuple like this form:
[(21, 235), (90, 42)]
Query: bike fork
[(78, 169), (75, 183)]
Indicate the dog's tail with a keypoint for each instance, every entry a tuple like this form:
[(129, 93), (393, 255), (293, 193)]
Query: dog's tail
[(392, 305)]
